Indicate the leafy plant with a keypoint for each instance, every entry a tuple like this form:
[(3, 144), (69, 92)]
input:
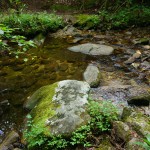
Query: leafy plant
[(124, 17), (146, 143), (102, 115), (35, 137), (16, 44), (33, 23), (80, 136)]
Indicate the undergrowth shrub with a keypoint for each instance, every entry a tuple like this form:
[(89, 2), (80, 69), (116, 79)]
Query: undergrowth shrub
[(125, 17), (102, 115), (14, 44), (30, 24)]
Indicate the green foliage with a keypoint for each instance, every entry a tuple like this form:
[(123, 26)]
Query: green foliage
[(102, 115), (87, 21), (17, 5), (35, 137), (57, 142), (80, 136), (32, 24), (16, 44), (146, 143), (125, 17)]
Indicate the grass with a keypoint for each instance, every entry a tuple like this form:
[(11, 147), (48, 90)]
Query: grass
[(30, 24)]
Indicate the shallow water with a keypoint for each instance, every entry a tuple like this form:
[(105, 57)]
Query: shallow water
[(18, 79)]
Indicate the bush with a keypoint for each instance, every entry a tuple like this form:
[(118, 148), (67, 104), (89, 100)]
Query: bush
[(33, 23), (126, 17)]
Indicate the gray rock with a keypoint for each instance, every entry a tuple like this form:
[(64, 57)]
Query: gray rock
[(92, 49), (145, 65), (11, 138), (92, 75), (60, 108), (121, 95), (135, 119)]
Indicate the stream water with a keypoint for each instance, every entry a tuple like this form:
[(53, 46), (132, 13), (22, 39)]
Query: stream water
[(52, 62)]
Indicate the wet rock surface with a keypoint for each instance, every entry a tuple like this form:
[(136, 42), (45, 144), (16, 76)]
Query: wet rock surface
[(122, 94)]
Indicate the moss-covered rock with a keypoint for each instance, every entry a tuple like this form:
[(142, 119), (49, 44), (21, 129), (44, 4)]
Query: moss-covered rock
[(122, 130), (58, 109), (131, 145), (135, 119)]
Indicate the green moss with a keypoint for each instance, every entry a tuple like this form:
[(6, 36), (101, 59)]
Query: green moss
[(41, 111), (87, 21)]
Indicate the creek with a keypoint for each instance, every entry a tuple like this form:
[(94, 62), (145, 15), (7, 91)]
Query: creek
[(52, 62)]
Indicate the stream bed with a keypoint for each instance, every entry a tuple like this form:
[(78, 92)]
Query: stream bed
[(52, 62)]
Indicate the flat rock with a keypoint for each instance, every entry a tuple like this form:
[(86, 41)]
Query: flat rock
[(122, 95), (92, 49)]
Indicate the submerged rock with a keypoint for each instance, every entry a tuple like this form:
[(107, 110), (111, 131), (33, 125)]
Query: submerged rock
[(60, 108), (92, 75), (92, 49)]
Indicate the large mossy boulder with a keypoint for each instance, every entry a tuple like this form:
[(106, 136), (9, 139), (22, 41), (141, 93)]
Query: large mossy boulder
[(60, 108)]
